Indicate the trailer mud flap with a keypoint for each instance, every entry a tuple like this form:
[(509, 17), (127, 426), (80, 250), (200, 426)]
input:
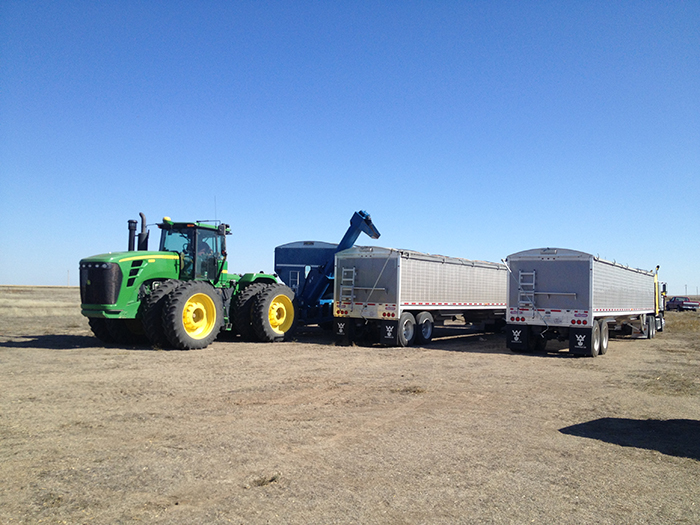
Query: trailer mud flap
[(517, 337), (580, 340), (389, 332), (343, 330)]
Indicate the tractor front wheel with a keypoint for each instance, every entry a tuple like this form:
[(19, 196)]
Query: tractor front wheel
[(152, 318), (193, 315), (274, 313), (100, 330)]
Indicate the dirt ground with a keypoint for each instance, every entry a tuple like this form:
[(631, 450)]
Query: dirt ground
[(460, 431)]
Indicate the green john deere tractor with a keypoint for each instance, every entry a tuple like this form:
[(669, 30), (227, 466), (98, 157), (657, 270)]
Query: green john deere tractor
[(182, 295)]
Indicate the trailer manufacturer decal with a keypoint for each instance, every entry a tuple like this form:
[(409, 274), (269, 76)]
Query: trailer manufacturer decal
[(580, 340), (516, 335)]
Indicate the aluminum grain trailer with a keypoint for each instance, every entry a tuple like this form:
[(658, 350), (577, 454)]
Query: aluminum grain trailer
[(572, 296), (398, 296)]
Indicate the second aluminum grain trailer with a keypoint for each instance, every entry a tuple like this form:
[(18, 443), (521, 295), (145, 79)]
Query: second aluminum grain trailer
[(396, 297), (572, 296)]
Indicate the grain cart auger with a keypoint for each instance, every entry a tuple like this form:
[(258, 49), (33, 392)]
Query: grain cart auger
[(182, 295), (308, 268)]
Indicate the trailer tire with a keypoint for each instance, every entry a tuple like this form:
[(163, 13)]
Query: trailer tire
[(595, 339), (425, 325), (407, 329), (242, 308), (193, 315), (98, 326), (604, 337), (651, 327), (152, 317), (274, 313)]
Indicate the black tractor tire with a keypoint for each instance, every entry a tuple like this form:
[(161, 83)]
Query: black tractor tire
[(193, 315), (100, 330), (152, 317), (242, 310), (274, 314), (126, 331)]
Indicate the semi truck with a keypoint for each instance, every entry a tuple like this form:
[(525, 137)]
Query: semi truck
[(568, 295), (396, 297)]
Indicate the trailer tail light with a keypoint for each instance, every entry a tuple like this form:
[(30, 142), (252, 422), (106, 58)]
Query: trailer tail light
[(388, 314)]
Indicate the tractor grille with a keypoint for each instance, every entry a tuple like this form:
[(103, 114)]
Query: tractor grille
[(99, 282)]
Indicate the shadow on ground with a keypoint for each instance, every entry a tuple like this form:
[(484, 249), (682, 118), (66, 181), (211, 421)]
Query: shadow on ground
[(674, 437), (63, 342)]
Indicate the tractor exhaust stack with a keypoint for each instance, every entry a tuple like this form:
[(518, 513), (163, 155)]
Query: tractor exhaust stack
[(132, 234), (143, 236)]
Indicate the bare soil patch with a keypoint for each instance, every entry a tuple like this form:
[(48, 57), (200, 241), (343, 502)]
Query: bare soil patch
[(460, 431)]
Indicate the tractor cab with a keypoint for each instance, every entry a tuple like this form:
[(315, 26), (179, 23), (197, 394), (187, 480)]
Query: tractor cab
[(201, 247)]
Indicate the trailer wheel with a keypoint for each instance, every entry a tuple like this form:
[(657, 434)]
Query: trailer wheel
[(651, 326), (152, 317), (425, 324), (99, 329), (242, 308), (595, 339), (604, 337), (407, 329), (274, 313), (537, 343), (193, 315)]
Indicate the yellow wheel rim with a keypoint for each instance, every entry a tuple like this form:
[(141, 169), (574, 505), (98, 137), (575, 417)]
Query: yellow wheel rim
[(281, 314), (199, 316)]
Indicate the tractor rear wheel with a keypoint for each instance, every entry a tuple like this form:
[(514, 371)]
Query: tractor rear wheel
[(153, 313), (242, 310), (274, 313), (193, 315)]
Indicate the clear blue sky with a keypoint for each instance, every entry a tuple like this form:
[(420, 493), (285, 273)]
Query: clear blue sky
[(471, 129)]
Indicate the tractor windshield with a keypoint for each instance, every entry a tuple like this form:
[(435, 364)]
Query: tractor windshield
[(180, 241)]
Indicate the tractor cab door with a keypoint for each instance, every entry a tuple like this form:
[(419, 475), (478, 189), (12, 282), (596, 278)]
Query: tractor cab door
[(209, 254)]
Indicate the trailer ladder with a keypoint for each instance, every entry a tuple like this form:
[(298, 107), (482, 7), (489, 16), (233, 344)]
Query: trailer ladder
[(347, 286), (526, 288)]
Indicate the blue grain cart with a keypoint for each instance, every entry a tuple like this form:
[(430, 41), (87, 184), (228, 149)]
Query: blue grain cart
[(307, 267)]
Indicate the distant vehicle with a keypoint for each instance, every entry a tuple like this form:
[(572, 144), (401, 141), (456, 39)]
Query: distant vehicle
[(681, 304)]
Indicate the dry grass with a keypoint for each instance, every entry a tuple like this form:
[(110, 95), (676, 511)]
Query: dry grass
[(680, 322), (461, 431)]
